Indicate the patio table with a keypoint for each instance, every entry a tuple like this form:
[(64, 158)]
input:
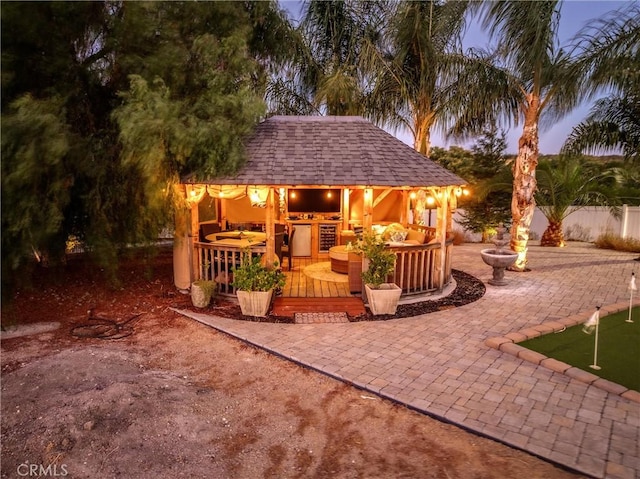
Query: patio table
[(239, 243), (252, 236)]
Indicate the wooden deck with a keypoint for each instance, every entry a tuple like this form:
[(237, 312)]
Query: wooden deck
[(418, 271), (289, 306), (303, 294), (300, 285)]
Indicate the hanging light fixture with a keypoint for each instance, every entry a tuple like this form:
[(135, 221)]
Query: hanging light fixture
[(258, 196), (195, 193), (227, 192)]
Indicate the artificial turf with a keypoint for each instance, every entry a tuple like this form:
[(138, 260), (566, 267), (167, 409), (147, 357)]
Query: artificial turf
[(618, 348)]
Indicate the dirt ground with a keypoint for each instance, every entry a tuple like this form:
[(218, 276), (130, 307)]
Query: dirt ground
[(177, 399)]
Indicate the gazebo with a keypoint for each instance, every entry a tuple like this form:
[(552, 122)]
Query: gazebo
[(329, 177)]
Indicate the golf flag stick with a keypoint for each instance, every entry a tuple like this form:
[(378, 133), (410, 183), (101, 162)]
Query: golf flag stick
[(632, 288), (592, 323)]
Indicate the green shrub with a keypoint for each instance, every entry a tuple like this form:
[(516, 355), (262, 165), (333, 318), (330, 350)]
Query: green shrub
[(209, 287), (381, 260), (253, 276)]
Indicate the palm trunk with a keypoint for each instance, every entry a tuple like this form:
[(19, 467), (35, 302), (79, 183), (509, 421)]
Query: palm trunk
[(553, 235), (422, 139), (523, 203)]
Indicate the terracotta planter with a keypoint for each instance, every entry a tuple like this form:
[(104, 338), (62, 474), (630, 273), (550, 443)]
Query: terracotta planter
[(254, 303), (383, 300)]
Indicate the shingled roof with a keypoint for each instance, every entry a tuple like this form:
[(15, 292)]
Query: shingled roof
[(333, 151)]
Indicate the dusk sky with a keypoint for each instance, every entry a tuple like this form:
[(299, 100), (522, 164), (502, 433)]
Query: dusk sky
[(574, 16)]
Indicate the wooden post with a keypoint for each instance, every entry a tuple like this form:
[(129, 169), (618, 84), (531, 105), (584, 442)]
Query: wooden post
[(194, 237), (223, 213), (346, 208), (404, 212), (269, 227), (442, 200), (182, 247), (367, 210)]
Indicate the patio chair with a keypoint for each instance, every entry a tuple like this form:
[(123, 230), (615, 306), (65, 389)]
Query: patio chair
[(279, 241), (207, 229), (287, 248)]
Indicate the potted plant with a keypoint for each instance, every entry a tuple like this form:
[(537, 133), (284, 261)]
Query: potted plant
[(379, 263), (255, 283), (201, 292)]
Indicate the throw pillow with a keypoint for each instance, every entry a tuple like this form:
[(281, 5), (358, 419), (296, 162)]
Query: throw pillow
[(418, 236)]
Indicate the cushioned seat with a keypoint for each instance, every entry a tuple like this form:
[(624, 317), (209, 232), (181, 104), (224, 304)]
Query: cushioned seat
[(207, 229), (339, 256), (287, 248)]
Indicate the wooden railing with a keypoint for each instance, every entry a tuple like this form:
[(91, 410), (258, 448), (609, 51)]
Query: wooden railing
[(429, 231), (216, 263), (417, 268)]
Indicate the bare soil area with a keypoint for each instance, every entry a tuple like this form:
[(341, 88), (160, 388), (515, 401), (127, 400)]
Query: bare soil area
[(173, 398)]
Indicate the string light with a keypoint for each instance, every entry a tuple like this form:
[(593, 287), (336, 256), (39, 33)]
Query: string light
[(195, 193)]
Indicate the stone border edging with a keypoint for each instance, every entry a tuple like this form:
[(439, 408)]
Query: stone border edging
[(508, 344)]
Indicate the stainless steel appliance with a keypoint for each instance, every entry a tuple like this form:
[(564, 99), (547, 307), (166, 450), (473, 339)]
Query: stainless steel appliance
[(302, 240)]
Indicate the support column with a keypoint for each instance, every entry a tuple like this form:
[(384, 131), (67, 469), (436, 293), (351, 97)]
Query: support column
[(346, 208), (269, 227), (194, 236), (182, 248), (223, 213), (367, 210), (406, 205), (442, 213)]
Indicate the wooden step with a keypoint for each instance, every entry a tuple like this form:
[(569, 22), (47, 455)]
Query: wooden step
[(285, 306)]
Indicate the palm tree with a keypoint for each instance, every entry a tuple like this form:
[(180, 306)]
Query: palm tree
[(326, 75), (609, 57), (527, 79), (387, 61), (423, 40), (563, 188)]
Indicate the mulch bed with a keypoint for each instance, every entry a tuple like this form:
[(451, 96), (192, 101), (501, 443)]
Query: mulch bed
[(80, 289), (468, 289)]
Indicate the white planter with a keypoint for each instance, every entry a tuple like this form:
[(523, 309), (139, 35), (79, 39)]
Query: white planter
[(254, 303), (383, 300)]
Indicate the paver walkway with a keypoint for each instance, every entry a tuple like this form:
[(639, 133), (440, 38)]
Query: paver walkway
[(439, 363)]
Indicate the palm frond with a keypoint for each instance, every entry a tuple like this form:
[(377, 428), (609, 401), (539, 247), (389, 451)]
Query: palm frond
[(566, 184), (613, 123), (608, 51)]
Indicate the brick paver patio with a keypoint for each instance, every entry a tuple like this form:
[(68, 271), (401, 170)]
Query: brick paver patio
[(439, 363)]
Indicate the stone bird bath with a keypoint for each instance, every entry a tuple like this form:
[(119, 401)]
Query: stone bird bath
[(498, 258)]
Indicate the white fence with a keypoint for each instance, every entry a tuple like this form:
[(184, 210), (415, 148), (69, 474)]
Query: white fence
[(585, 224)]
